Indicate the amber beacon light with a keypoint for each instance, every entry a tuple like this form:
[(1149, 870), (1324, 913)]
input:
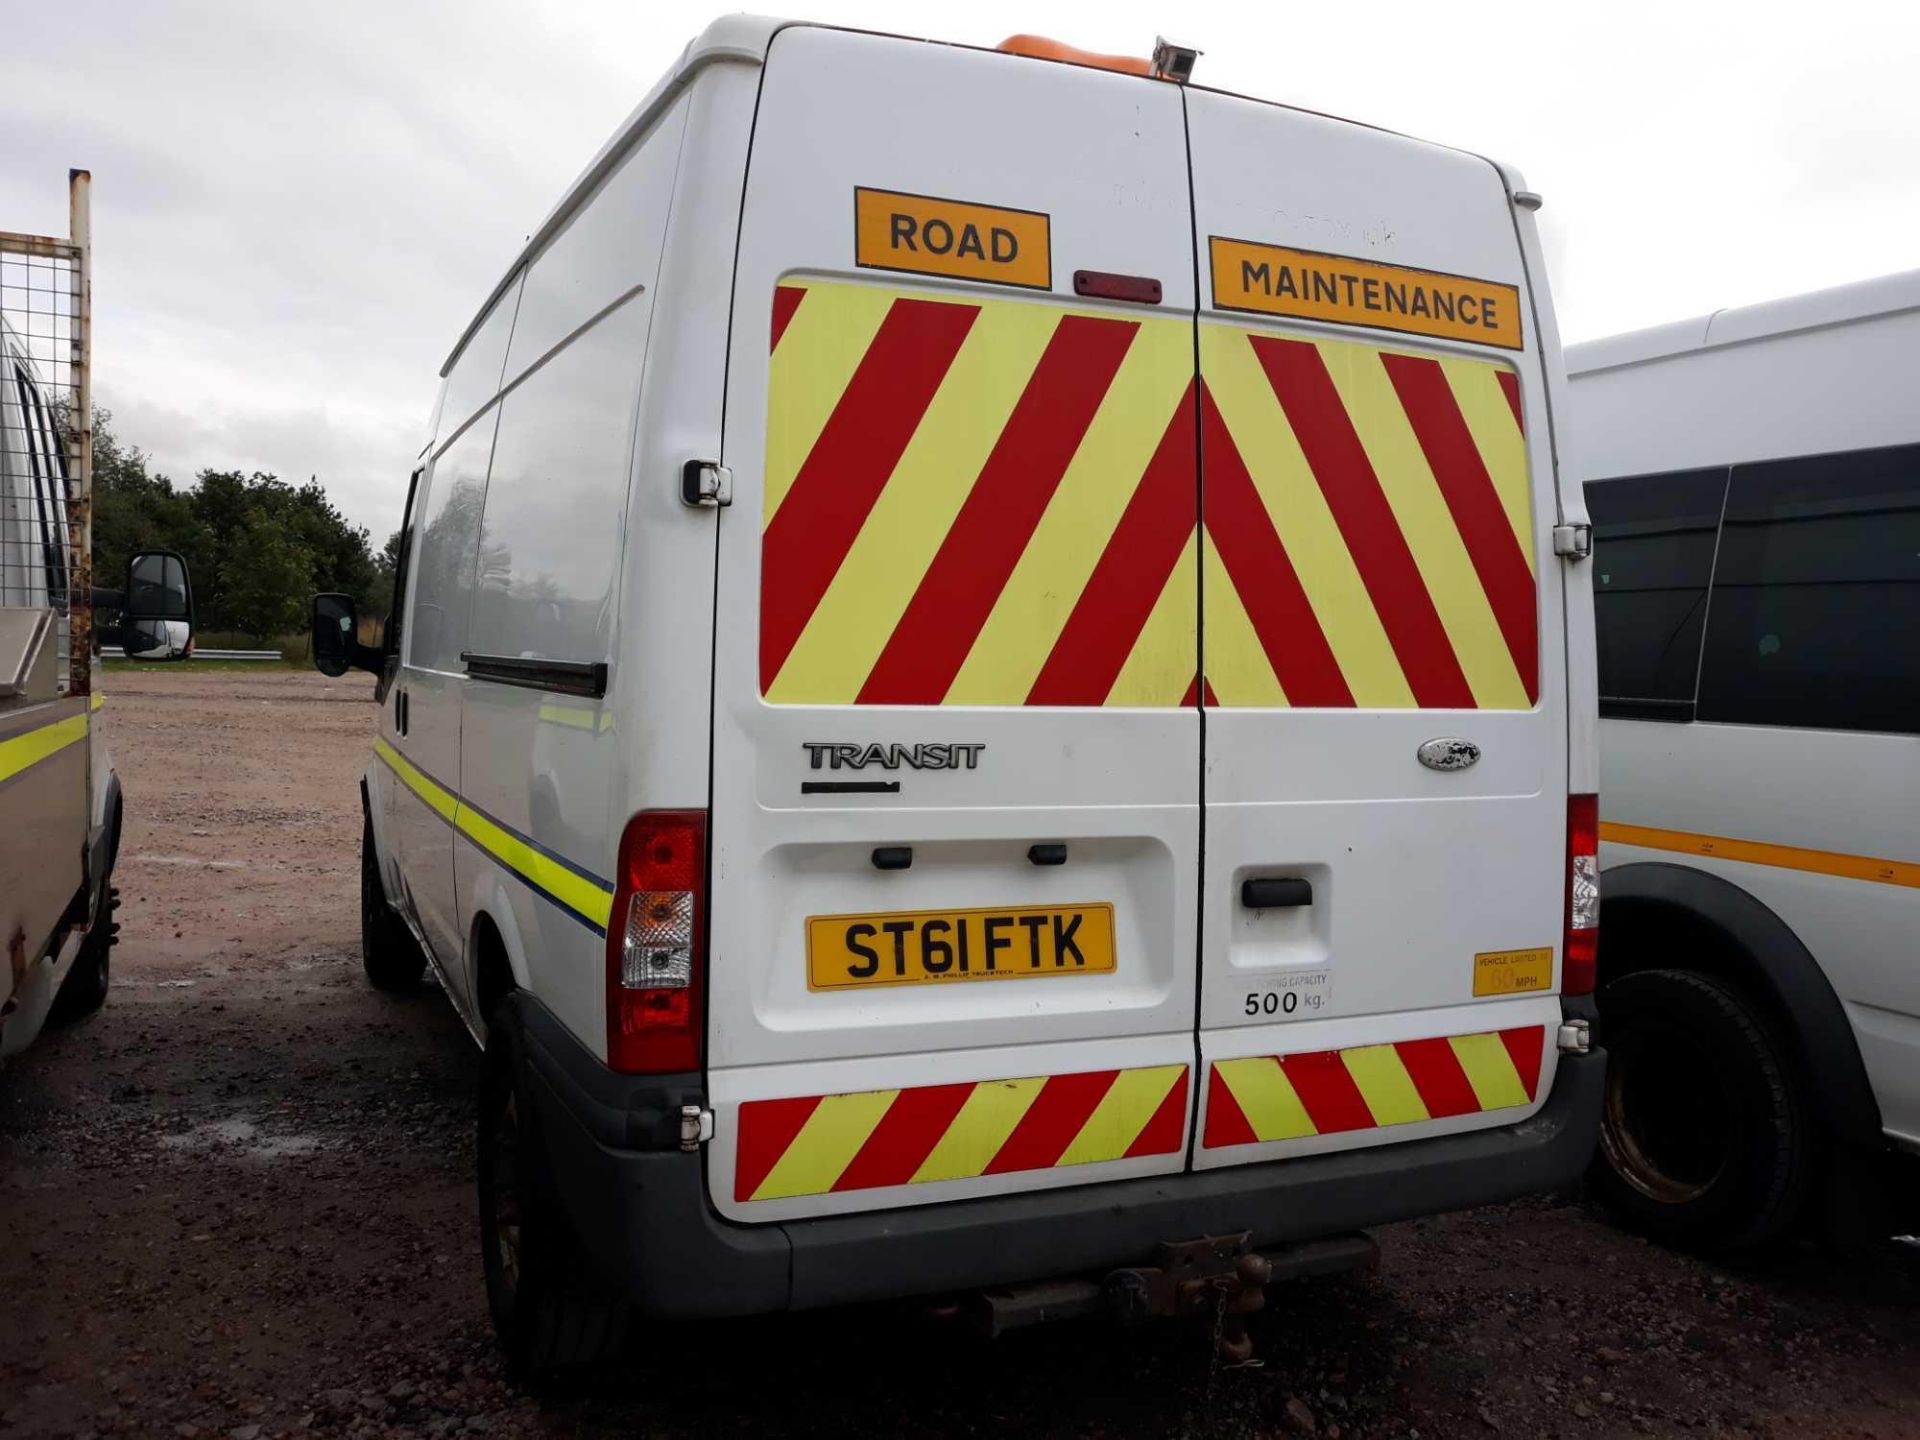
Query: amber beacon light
[(1169, 62)]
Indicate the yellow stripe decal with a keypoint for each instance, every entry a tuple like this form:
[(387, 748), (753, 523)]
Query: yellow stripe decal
[(585, 897), (1496, 1084), (1298, 509), (441, 801), (1040, 594), (577, 893), (992, 1111), (1123, 1112), (1759, 852), (22, 751), (1384, 1084), (97, 701), (1266, 1097), (1426, 524), (812, 367), (903, 532), (1503, 449), (826, 1144), (1159, 669)]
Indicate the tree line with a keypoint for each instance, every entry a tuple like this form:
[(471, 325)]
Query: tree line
[(257, 548)]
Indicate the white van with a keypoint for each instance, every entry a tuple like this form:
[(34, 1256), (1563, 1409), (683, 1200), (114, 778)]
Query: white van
[(1754, 478), (934, 753)]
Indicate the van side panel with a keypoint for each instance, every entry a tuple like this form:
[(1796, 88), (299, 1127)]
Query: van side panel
[(662, 688), (535, 762)]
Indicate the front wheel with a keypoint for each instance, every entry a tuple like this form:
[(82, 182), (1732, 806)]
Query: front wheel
[(1705, 1139), (85, 988), (550, 1310), (392, 960)]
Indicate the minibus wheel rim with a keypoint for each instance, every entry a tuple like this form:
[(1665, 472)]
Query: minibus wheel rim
[(1667, 1127)]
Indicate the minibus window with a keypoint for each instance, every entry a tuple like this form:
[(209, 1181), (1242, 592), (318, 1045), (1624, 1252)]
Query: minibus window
[(1817, 593), (1653, 540)]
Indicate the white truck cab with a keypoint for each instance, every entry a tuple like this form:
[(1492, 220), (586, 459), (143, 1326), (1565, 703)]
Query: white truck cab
[(1754, 478), (982, 683)]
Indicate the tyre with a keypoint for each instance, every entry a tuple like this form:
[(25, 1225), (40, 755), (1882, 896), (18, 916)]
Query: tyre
[(551, 1311), (393, 961), (85, 988), (1706, 1141)]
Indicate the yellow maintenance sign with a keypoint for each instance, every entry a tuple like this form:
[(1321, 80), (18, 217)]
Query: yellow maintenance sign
[(1274, 280), (897, 231)]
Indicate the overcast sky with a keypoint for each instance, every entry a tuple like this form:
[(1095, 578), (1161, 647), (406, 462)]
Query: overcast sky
[(298, 206)]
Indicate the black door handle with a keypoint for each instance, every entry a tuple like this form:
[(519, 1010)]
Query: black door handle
[(1275, 894)]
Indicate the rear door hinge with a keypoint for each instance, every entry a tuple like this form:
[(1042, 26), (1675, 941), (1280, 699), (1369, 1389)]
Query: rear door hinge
[(696, 1127), (706, 482), (1575, 542)]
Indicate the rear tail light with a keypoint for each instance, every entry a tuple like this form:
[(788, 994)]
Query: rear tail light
[(656, 944), (1581, 953)]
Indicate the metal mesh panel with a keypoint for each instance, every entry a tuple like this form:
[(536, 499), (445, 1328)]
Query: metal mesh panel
[(42, 499)]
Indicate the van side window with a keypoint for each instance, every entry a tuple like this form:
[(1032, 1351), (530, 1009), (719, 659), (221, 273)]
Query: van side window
[(456, 487), (557, 498), (1653, 546), (1816, 600), (390, 641)]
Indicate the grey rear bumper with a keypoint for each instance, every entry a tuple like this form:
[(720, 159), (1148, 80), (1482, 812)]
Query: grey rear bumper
[(643, 1212)]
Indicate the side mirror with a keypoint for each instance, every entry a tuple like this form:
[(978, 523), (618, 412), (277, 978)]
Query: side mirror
[(156, 612), (336, 637)]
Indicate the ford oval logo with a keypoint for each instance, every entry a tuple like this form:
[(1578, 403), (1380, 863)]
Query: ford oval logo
[(1449, 752)]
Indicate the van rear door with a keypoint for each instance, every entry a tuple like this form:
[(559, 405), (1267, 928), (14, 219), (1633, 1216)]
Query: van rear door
[(955, 819), (1386, 729)]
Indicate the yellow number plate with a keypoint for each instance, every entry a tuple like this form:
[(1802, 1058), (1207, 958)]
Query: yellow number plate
[(907, 947)]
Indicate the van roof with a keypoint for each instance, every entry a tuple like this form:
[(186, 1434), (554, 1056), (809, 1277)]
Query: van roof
[(1816, 310), (745, 39)]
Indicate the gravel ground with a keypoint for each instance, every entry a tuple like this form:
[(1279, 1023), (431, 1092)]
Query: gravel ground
[(237, 1203)]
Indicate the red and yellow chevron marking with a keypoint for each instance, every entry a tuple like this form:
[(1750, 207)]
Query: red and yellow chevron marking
[(815, 1144), (993, 502), (1325, 1092), (1369, 527), (971, 501)]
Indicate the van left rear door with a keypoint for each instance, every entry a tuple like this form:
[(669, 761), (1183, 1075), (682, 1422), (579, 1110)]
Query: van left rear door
[(955, 820)]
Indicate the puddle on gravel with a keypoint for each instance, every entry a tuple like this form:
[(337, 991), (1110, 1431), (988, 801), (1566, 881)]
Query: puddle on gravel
[(241, 1136)]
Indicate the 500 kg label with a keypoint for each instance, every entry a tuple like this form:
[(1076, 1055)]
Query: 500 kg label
[(1309, 993)]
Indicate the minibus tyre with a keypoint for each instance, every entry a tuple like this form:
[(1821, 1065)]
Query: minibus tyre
[(85, 988), (552, 1312), (393, 962), (1706, 1140)]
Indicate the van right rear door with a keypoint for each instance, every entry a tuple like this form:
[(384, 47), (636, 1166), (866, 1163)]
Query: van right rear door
[(1381, 922)]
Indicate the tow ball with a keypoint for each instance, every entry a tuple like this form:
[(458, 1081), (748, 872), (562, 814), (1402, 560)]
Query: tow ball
[(1218, 1281)]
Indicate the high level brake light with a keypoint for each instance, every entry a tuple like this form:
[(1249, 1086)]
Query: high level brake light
[(656, 944), (1581, 954)]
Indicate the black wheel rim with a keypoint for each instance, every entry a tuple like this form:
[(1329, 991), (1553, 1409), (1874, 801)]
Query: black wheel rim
[(1668, 1125), (502, 1194)]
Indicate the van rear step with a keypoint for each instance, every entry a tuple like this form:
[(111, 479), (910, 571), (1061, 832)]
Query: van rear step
[(1220, 1275)]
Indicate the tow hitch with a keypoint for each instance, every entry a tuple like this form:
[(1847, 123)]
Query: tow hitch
[(1218, 1280)]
